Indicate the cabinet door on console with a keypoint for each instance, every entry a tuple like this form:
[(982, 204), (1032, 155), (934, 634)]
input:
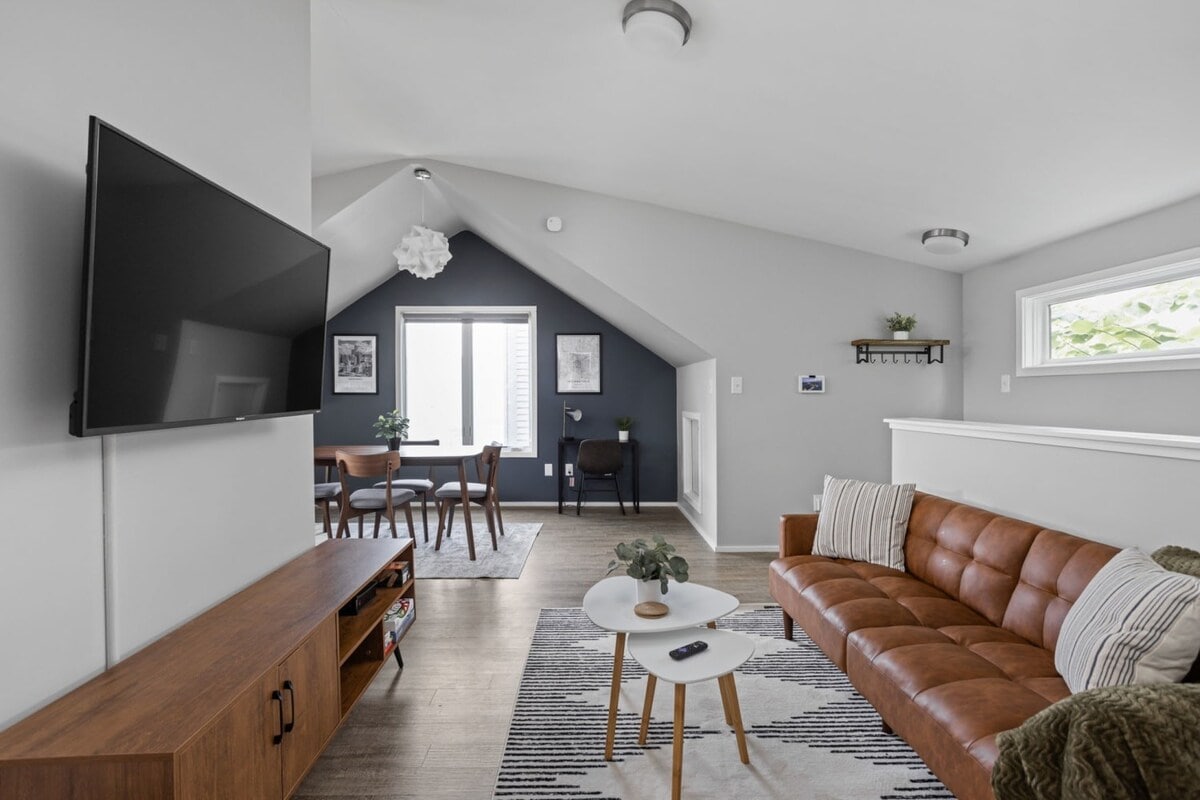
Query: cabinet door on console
[(236, 758), (309, 677)]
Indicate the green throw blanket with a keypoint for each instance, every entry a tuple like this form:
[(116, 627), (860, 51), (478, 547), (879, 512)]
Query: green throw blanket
[(1109, 743)]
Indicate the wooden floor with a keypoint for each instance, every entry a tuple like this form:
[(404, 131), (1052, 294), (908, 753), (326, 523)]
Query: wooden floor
[(436, 729)]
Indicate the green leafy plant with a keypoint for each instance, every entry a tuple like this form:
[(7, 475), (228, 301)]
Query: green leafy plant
[(624, 423), (391, 425), (900, 322), (1161, 317), (645, 562)]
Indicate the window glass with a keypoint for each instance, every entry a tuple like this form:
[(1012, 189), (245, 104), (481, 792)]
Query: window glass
[(1164, 316)]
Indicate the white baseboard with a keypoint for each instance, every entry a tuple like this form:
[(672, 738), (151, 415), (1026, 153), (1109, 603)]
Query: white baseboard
[(688, 514), (748, 548), (589, 504)]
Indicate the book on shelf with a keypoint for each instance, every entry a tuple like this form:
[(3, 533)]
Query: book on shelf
[(396, 620)]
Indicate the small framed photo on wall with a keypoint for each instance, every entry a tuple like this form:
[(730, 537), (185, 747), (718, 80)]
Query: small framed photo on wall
[(577, 363), (355, 364), (812, 384)]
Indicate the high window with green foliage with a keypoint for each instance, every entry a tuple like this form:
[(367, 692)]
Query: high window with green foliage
[(1142, 316)]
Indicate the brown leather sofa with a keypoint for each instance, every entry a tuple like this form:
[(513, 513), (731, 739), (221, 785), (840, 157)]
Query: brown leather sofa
[(958, 648)]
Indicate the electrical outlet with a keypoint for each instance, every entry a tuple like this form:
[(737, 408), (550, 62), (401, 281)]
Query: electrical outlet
[(816, 503), (569, 471), (571, 482), (549, 470), (1005, 383), (735, 385)]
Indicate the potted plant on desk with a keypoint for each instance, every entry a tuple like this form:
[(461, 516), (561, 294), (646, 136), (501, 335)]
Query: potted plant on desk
[(624, 424), (650, 565), (392, 426)]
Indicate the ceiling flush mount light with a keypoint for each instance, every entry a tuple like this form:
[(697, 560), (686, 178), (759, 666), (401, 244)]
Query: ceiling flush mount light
[(656, 26), (945, 241), (424, 252)]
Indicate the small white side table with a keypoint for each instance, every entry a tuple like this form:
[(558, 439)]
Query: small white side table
[(609, 604), (726, 652)]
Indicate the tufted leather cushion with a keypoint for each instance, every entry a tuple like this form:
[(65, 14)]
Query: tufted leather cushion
[(959, 648)]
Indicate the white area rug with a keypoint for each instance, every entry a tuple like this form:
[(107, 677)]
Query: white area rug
[(452, 561), (809, 733)]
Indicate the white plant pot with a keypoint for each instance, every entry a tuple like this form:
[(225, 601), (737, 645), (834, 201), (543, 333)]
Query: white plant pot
[(649, 592), (899, 334), (622, 436)]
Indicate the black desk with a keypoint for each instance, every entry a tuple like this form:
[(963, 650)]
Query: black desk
[(631, 445)]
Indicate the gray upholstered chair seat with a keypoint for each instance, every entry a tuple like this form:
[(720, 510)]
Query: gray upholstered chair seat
[(416, 484), (377, 498), (326, 491), (454, 489)]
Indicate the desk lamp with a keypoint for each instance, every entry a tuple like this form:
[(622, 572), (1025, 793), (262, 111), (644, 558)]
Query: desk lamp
[(574, 413)]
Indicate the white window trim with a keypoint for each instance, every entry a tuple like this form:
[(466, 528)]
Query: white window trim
[(531, 311), (1033, 318), (691, 483)]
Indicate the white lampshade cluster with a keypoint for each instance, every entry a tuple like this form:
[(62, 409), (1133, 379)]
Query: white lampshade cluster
[(424, 252)]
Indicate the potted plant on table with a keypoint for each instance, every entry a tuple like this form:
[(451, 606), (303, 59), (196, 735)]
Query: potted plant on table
[(650, 565), (900, 325), (393, 426), (624, 424)]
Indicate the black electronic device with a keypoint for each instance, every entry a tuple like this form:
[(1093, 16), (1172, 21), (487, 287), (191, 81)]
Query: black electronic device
[(680, 653), (359, 602), (198, 307)]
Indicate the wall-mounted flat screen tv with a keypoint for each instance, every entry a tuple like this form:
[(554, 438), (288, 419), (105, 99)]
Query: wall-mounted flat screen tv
[(198, 307)]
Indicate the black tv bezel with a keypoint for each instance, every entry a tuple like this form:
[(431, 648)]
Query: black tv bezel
[(78, 413)]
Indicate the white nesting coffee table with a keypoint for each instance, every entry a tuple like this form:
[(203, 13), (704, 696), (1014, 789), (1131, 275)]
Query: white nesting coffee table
[(609, 604), (726, 652)]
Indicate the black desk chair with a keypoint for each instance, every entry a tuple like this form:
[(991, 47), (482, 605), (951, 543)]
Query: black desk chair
[(600, 460)]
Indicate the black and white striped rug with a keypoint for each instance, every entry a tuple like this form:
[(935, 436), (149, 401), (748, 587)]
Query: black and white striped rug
[(810, 734)]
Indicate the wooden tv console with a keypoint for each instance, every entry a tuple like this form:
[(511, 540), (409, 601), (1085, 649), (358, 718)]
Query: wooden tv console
[(234, 705)]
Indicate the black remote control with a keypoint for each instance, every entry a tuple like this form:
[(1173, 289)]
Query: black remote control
[(680, 653)]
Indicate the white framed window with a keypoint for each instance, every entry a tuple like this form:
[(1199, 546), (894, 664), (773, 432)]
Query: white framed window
[(467, 375), (1140, 316), (691, 458)]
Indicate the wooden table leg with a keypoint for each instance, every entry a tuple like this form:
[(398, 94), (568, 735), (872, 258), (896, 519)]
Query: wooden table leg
[(646, 705), (614, 696), (737, 716), (466, 508), (724, 691), (677, 749)]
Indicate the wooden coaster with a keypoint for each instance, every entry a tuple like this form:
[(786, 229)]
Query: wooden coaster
[(651, 609)]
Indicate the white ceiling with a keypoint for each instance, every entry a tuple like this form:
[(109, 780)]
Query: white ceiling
[(852, 122)]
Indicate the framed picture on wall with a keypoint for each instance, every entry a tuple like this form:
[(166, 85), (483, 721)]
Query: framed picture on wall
[(355, 364), (577, 363)]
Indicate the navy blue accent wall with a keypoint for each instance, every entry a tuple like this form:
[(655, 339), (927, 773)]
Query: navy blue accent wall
[(636, 382)]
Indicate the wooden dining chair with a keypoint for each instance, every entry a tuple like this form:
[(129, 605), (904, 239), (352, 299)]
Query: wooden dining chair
[(381, 501), (598, 459), (325, 494), (423, 487), (450, 494)]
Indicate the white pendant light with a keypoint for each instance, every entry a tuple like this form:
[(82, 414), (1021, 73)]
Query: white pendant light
[(424, 251), (659, 27), (945, 241)]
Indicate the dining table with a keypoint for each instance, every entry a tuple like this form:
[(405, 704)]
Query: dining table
[(325, 455)]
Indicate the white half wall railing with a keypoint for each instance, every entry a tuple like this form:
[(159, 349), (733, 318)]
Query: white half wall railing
[(1125, 488)]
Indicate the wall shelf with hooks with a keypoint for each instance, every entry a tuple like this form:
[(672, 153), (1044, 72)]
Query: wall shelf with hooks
[(876, 351)]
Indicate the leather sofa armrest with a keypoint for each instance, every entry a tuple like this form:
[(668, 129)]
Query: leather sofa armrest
[(796, 534)]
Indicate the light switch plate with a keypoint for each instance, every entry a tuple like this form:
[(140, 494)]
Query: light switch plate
[(735, 385), (816, 503), (1005, 383), (549, 470), (569, 470)]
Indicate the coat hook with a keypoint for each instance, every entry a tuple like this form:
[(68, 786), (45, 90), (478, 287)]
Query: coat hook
[(906, 358)]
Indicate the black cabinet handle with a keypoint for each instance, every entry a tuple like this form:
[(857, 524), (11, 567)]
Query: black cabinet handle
[(290, 688), (277, 697)]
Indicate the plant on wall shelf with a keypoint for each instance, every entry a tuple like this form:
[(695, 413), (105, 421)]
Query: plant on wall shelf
[(645, 562), (624, 424), (900, 324), (393, 426)]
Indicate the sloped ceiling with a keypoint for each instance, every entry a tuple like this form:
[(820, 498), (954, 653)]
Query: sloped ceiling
[(855, 122)]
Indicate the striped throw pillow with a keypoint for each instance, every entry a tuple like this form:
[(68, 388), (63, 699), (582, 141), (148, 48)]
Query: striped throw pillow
[(1135, 622), (864, 521)]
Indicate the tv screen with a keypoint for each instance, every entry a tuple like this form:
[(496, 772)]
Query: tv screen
[(197, 306)]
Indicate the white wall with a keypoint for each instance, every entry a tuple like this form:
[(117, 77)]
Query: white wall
[(695, 392), (768, 307), (1163, 402), (194, 514), (1142, 499)]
